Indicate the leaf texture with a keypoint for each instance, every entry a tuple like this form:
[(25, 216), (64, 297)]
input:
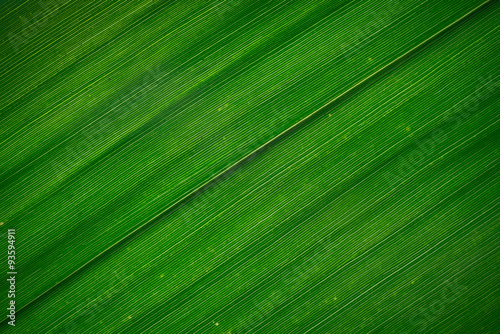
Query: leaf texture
[(251, 166)]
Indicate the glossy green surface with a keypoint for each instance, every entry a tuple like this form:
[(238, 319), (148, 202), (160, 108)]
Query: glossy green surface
[(251, 166)]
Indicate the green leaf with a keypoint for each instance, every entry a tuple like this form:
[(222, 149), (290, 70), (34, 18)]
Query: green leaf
[(251, 166)]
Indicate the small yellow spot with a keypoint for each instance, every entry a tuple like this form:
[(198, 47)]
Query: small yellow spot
[(334, 298), (369, 59), (412, 282), (329, 115), (1, 223), (216, 324), (161, 276), (407, 128), (129, 317)]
